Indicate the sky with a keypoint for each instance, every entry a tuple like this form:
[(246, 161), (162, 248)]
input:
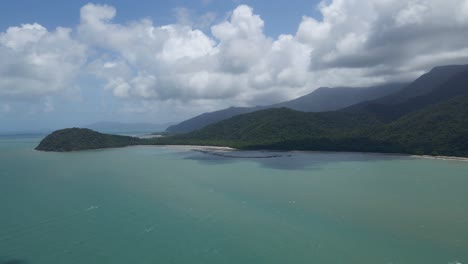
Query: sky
[(72, 63)]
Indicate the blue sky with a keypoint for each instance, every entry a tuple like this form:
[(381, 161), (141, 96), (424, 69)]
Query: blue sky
[(70, 63), (282, 16)]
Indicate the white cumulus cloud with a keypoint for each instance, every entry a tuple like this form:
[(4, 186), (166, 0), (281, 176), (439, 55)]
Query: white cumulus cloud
[(195, 65), (237, 63), (387, 38), (35, 61)]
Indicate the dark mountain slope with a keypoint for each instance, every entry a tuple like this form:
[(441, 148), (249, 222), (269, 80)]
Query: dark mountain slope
[(320, 100), (210, 118), (332, 99), (424, 84), (387, 112)]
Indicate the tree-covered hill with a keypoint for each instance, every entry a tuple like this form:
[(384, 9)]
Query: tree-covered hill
[(441, 129), (271, 126), (320, 100), (438, 130), (74, 139)]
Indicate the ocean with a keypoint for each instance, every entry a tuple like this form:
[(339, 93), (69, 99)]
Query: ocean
[(175, 205)]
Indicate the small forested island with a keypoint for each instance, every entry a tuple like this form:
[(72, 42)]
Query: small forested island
[(75, 139), (426, 117)]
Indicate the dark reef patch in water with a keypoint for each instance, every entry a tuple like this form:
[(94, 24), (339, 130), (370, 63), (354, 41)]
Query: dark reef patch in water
[(295, 160), (228, 154)]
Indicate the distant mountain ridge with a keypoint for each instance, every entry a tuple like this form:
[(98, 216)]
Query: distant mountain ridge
[(321, 100), (116, 127), (331, 99)]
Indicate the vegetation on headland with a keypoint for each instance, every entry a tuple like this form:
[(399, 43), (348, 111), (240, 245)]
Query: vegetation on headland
[(421, 119), (74, 139), (429, 117), (439, 130)]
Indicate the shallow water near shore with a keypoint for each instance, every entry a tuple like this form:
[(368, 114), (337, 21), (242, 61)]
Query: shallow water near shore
[(174, 205)]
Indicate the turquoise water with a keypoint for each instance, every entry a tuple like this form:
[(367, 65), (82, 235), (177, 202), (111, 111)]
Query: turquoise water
[(169, 205)]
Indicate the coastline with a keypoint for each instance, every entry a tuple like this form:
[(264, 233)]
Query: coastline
[(220, 148), (208, 148), (197, 147), (452, 158), (202, 148), (184, 147)]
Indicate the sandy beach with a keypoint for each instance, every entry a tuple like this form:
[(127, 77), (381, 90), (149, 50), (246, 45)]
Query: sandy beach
[(205, 148), (440, 157)]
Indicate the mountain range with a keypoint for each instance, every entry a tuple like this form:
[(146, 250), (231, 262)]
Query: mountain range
[(427, 116), (321, 100)]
